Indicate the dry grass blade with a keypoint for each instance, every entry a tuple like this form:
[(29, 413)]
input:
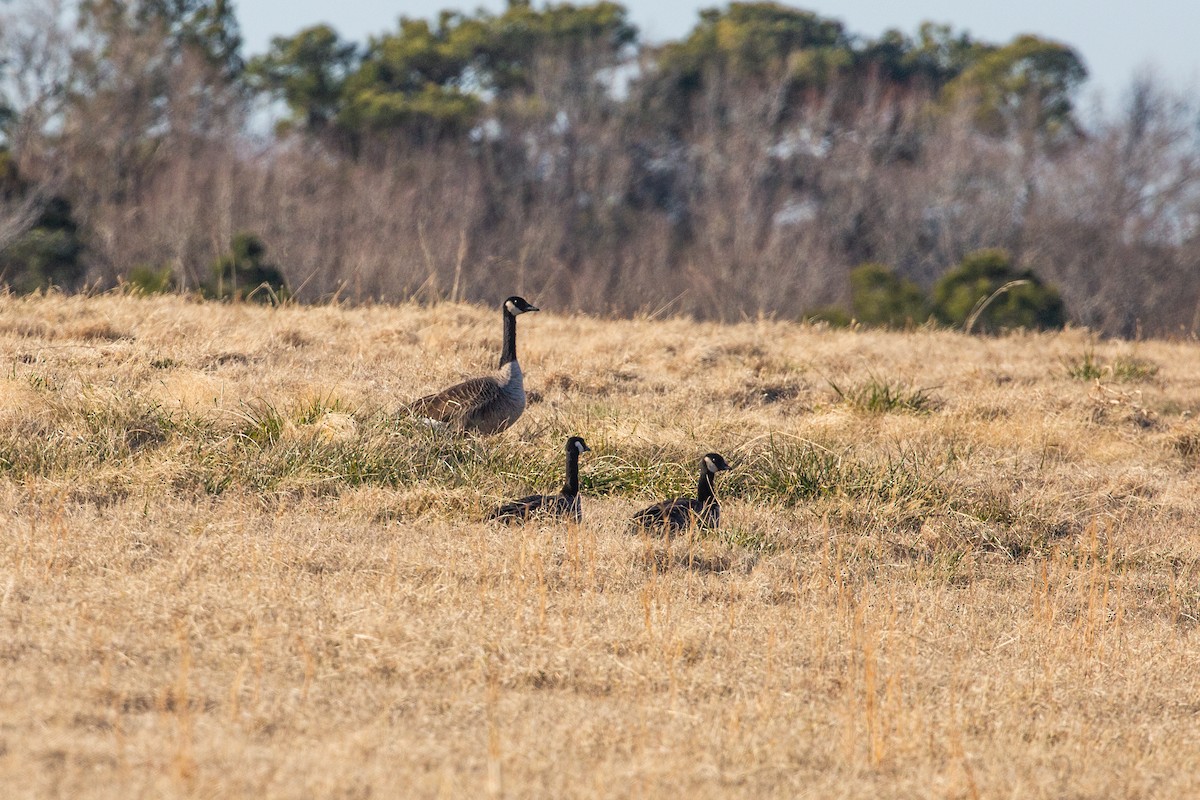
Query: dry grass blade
[(984, 302)]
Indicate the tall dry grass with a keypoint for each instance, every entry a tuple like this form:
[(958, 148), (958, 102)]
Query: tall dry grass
[(228, 569)]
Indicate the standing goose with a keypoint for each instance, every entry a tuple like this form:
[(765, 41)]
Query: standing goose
[(560, 506), (680, 513), (489, 403)]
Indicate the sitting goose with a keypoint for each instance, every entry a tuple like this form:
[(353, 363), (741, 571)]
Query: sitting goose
[(489, 403), (680, 513), (560, 506)]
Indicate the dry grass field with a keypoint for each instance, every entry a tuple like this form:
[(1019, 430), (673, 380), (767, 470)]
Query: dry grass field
[(949, 567)]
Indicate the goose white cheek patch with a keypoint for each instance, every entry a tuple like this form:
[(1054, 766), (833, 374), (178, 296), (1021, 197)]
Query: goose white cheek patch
[(709, 465)]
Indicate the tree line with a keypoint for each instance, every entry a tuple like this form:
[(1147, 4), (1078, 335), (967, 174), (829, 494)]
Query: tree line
[(770, 161)]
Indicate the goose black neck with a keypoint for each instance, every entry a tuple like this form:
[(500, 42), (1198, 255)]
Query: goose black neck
[(571, 487), (704, 491), (509, 353)]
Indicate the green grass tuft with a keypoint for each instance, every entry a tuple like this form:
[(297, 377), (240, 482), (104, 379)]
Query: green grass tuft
[(879, 396), (1128, 369)]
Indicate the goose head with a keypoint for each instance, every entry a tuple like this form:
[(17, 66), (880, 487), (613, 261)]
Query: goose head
[(577, 445), (518, 305), (714, 463)]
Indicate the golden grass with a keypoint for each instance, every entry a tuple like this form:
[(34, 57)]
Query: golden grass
[(227, 570)]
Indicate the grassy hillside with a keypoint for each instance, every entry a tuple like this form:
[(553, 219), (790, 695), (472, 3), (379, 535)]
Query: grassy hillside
[(950, 566)]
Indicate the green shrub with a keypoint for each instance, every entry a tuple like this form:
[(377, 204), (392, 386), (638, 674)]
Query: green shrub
[(145, 279), (243, 274), (830, 315), (48, 254), (879, 297), (1029, 304)]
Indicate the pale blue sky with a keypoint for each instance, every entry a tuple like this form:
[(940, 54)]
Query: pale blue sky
[(1115, 37)]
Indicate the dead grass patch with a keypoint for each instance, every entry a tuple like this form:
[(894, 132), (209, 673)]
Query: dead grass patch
[(228, 569)]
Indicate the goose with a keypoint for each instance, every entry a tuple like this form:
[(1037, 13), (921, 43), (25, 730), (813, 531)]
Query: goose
[(680, 513), (563, 505), (489, 403)]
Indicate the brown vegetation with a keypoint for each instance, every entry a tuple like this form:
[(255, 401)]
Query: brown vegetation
[(227, 569), (745, 169)]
